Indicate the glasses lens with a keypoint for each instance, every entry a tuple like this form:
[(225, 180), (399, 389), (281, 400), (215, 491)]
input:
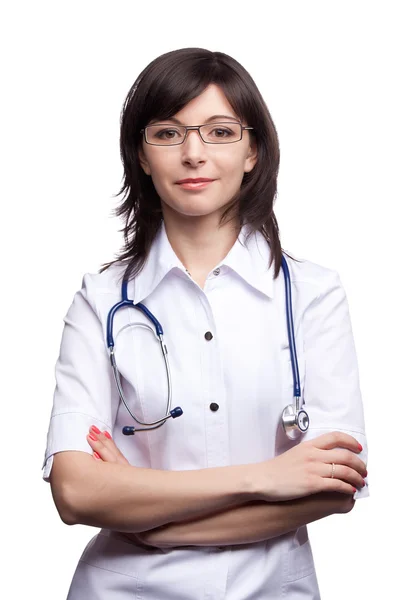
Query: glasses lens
[(221, 133), (165, 135)]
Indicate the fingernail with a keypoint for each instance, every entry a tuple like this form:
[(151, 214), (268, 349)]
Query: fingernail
[(366, 473), (107, 435), (95, 429), (360, 447), (92, 437), (354, 490), (96, 455)]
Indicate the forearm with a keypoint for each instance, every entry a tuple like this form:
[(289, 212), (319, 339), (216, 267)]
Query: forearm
[(131, 499), (248, 523)]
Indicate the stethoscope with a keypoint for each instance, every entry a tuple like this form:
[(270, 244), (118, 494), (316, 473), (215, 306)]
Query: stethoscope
[(295, 420)]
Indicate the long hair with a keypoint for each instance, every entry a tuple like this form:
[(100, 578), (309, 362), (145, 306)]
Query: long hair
[(161, 90)]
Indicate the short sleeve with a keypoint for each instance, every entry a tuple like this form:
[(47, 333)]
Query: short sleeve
[(332, 394), (84, 379)]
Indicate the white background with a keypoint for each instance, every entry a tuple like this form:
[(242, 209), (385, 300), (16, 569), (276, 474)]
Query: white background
[(328, 72)]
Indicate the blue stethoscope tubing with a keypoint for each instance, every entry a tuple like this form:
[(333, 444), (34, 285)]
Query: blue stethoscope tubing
[(295, 420)]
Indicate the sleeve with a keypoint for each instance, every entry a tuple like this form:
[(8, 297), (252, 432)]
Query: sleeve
[(84, 379), (332, 395)]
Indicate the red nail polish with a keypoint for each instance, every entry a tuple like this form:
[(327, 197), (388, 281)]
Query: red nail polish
[(95, 429), (107, 435), (354, 490), (92, 437), (97, 455), (360, 447)]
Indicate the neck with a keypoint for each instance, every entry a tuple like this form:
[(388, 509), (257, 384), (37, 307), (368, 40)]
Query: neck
[(199, 242)]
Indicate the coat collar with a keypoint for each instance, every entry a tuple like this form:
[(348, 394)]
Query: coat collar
[(249, 260)]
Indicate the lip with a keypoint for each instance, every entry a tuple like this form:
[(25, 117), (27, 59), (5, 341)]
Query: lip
[(190, 185), (197, 180)]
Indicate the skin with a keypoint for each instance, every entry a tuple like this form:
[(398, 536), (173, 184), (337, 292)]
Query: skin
[(192, 217), (248, 523), (107, 451), (192, 226)]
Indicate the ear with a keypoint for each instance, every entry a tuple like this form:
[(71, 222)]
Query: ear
[(143, 161), (251, 157)]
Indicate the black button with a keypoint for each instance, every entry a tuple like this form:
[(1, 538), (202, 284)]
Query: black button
[(214, 406), (208, 335)]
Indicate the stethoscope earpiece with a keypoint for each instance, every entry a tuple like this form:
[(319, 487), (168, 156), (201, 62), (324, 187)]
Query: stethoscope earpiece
[(175, 412), (128, 430)]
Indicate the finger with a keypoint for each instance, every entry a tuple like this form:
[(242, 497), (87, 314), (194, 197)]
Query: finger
[(103, 436), (342, 472), (95, 429), (96, 433), (336, 485), (107, 453), (344, 457), (335, 439), (100, 434), (120, 457)]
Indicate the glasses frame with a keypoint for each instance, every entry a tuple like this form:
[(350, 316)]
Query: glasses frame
[(197, 127)]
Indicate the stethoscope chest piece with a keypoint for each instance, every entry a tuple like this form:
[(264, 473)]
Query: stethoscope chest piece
[(294, 422)]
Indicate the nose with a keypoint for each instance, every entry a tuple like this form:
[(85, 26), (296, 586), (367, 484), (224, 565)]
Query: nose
[(193, 148)]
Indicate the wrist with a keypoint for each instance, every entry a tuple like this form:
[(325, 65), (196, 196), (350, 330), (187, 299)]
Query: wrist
[(261, 484)]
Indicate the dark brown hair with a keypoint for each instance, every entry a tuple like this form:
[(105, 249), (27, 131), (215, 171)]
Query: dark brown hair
[(161, 90)]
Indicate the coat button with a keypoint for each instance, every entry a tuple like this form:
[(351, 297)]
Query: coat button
[(216, 271), (214, 406), (208, 335)]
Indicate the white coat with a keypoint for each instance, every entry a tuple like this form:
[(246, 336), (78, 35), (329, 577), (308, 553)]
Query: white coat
[(245, 368)]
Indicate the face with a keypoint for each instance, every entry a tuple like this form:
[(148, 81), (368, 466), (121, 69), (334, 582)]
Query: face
[(225, 164)]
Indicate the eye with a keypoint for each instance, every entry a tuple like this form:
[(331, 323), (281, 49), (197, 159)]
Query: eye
[(222, 132), (167, 134)]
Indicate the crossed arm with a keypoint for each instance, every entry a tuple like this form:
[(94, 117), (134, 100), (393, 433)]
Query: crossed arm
[(247, 523)]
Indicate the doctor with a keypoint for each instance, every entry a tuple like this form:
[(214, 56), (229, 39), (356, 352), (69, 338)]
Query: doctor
[(213, 504)]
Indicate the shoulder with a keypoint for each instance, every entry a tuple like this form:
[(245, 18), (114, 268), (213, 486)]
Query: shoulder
[(314, 286), (98, 293), (310, 275), (101, 289), (107, 282), (318, 296), (309, 278)]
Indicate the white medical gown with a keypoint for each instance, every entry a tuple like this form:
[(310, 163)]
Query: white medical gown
[(244, 367)]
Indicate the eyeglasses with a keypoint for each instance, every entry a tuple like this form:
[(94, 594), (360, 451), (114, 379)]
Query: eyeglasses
[(213, 133)]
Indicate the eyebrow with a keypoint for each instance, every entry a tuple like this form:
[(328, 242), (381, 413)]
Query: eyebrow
[(174, 120)]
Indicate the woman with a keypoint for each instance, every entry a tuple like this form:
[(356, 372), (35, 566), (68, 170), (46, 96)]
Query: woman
[(215, 503)]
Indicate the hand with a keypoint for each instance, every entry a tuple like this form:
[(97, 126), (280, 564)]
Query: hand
[(105, 449), (161, 537), (306, 469)]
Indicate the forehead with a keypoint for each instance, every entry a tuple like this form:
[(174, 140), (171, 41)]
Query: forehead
[(211, 104)]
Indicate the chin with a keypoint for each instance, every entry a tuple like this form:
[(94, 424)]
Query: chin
[(194, 208)]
